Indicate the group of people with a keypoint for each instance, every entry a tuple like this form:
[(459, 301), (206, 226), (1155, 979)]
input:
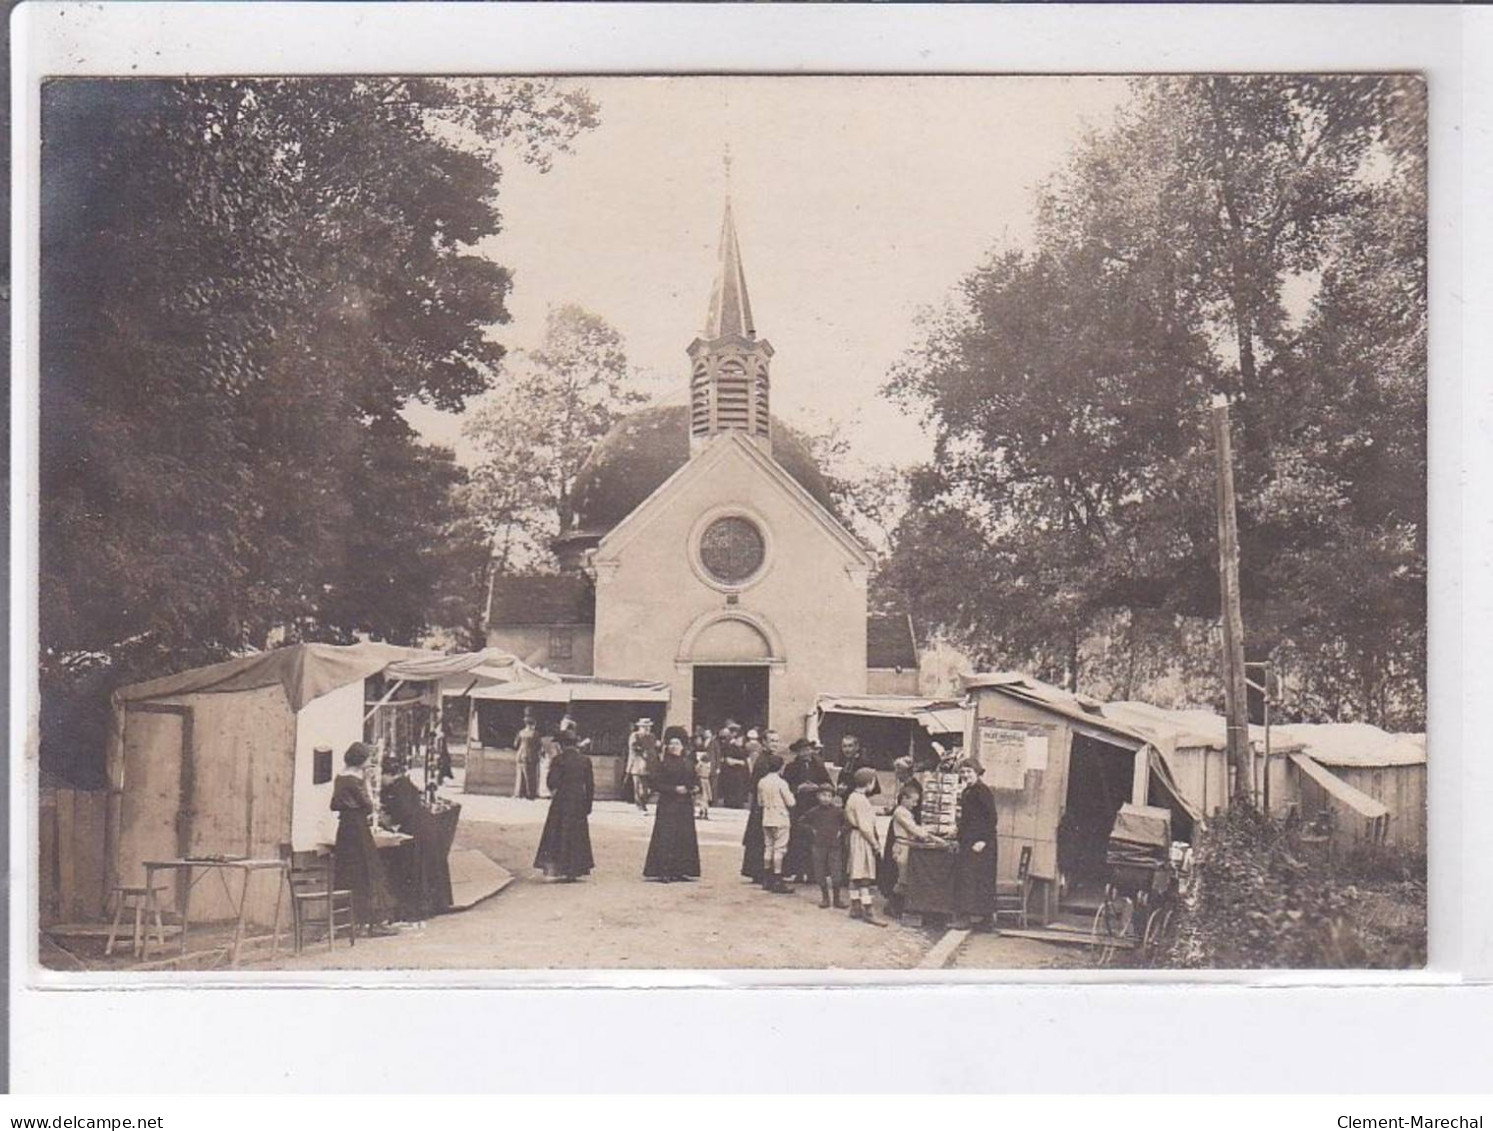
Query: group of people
[(803, 826), (722, 761)]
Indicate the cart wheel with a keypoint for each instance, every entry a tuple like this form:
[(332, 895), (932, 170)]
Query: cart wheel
[(1104, 949), (1158, 928)]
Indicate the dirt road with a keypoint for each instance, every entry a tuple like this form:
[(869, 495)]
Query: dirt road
[(614, 919)]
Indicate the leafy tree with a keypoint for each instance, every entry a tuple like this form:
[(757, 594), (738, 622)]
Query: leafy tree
[(1072, 478), (244, 282), (536, 428)]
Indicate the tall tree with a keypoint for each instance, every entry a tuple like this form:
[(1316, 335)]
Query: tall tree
[(244, 282), (1065, 386), (535, 430)]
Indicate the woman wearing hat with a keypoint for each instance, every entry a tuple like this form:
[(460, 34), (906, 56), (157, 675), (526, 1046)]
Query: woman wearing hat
[(356, 866), (674, 849), (974, 866), (565, 845)]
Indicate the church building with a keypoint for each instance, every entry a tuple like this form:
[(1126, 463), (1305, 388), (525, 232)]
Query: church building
[(706, 553)]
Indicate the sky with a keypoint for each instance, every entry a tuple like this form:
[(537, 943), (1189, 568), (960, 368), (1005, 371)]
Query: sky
[(860, 202)]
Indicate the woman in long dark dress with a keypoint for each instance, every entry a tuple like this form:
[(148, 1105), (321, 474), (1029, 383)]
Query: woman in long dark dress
[(735, 773), (752, 840), (565, 845), (356, 866), (674, 850), (975, 864)]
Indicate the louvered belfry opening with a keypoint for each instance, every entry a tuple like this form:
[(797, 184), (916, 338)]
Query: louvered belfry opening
[(729, 364)]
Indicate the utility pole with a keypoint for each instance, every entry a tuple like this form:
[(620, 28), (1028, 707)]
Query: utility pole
[(1236, 697)]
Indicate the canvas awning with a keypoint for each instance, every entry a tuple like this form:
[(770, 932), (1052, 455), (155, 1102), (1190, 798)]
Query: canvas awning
[(550, 688), (936, 716), (305, 671)]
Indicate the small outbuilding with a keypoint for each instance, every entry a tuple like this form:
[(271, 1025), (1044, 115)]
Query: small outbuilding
[(1060, 770), (223, 760), (1385, 772)]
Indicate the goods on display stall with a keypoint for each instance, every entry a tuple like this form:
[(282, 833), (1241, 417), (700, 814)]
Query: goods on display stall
[(940, 808)]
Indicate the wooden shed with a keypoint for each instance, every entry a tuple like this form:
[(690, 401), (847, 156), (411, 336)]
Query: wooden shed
[(1388, 768), (220, 760), (1194, 742), (1060, 770)]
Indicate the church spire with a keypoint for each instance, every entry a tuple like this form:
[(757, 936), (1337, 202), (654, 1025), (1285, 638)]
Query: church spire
[(728, 372), (730, 313)]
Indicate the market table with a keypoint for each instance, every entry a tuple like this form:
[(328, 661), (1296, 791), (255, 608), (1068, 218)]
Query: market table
[(222, 866), (929, 881), (417, 865)]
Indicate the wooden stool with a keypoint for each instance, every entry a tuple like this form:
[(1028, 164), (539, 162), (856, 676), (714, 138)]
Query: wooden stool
[(147, 909)]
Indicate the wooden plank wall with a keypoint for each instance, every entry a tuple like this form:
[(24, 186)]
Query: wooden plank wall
[(1029, 817), (72, 886)]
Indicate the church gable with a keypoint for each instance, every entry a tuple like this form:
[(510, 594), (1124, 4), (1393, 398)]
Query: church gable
[(733, 473)]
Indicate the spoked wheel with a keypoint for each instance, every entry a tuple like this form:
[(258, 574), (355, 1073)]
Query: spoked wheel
[(1112, 925), (1158, 931)]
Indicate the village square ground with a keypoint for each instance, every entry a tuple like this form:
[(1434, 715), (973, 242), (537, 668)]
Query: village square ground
[(614, 919)]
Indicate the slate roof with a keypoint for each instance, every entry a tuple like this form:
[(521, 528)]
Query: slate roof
[(644, 449), (541, 599)]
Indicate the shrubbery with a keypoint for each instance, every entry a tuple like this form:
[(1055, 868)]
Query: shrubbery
[(1264, 897)]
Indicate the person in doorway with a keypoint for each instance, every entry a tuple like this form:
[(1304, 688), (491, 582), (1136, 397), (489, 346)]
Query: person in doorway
[(565, 845), (355, 863), (864, 846), (776, 802), (852, 760), (674, 849), (735, 772), (975, 864), (825, 824), (753, 748), (804, 773), (642, 751), (526, 747)]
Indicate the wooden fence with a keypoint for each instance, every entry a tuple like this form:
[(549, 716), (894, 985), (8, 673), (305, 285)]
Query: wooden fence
[(72, 874)]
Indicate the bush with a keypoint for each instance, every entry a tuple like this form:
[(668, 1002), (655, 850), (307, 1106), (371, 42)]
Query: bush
[(1261, 898)]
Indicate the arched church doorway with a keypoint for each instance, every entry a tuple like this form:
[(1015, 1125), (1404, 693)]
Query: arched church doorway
[(731, 655), (730, 691)]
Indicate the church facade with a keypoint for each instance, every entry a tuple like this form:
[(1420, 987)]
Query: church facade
[(706, 553)]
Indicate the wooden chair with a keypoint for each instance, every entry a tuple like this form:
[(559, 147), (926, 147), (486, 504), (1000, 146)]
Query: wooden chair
[(315, 902), (1011, 897), (144, 903)]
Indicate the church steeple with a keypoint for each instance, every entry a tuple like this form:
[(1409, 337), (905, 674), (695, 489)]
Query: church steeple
[(729, 378), (730, 309)]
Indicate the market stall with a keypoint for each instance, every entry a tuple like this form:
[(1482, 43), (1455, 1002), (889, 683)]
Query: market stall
[(889, 727), (604, 711), (236, 761)]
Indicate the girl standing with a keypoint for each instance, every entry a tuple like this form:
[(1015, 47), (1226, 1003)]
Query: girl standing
[(864, 845)]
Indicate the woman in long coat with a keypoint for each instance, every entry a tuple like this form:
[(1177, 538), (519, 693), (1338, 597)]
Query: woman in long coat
[(674, 850), (356, 866), (975, 865), (734, 769), (565, 845)]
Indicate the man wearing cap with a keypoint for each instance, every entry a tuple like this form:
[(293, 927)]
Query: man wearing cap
[(642, 752)]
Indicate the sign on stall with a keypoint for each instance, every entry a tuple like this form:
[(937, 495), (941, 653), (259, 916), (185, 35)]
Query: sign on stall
[(1003, 751)]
